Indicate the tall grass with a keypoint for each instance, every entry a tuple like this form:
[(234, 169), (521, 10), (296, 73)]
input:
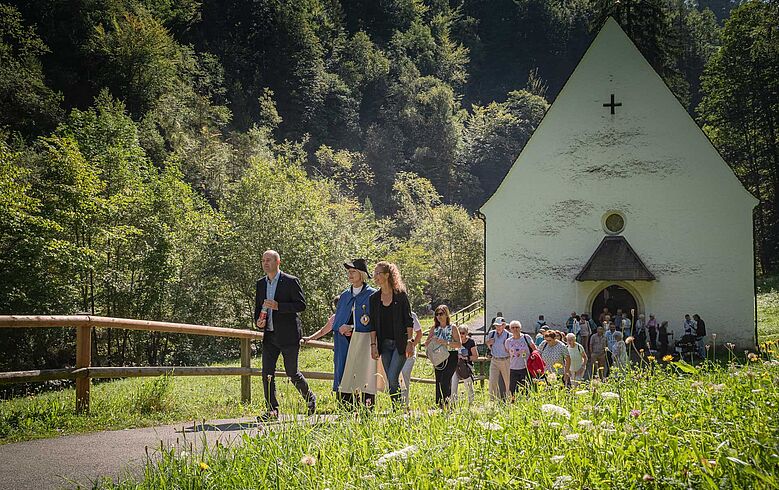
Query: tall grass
[(668, 426)]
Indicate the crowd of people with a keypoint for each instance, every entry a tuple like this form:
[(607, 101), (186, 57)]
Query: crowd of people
[(373, 324), (582, 349)]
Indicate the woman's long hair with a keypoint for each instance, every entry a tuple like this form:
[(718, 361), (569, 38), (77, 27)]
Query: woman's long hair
[(395, 281), (445, 310)]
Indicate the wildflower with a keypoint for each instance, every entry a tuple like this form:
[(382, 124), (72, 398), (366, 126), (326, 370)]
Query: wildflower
[(730, 346), (650, 358), (562, 481), (596, 382), (752, 357), (585, 423), (554, 424), (582, 392), (572, 437), (557, 459), (308, 460), (554, 409), (696, 384), (668, 358), (648, 477), (536, 423), (203, 466), (399, 454), (708, 346), (714, 336), (557, 365), (609, 395), (635, 413), (490, 425), (708, 463), (551, 377), (718, 387)]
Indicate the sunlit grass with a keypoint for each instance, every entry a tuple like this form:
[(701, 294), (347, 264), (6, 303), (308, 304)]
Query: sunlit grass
[(663, 427)]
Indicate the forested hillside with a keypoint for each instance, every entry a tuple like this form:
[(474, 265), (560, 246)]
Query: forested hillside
[(150, 150)]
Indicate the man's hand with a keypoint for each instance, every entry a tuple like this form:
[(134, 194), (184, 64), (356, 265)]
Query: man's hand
[(374, 352), (260, 324), (345, 330), (269, 303)]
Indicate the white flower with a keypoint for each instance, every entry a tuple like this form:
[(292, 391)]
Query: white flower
[(554, 409), (490, 425), (308, 460), (562, 481), (585, 423), (718, 387), (554, 424), (609, 395), (572, 437), (557, 459), (582, 392), (551, 377), (399, 454)]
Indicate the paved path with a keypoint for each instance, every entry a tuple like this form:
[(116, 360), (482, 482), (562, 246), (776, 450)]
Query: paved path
[(79, 460)]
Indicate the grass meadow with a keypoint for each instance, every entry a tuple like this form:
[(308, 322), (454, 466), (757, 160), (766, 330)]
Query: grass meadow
[(670, 425)]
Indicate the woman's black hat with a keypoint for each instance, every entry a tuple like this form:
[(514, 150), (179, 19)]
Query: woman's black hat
[(358, 264)]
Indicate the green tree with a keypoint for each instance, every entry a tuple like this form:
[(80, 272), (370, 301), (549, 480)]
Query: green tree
[(494, 136), (740, 112), (27, 104)]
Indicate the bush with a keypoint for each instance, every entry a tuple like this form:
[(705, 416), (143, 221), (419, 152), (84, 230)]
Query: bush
[(154, 396)]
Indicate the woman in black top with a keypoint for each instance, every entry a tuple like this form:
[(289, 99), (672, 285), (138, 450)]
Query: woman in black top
[(392, 322)]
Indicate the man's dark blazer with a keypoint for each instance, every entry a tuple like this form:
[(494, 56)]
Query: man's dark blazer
[(287, 329)]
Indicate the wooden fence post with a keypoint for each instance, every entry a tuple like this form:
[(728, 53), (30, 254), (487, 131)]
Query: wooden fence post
[(83, 360), (246, 362)]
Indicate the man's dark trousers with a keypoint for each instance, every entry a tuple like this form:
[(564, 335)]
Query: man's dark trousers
[(289, 354)]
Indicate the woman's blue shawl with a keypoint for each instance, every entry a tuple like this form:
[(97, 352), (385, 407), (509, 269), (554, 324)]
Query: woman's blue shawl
[(342, 313)]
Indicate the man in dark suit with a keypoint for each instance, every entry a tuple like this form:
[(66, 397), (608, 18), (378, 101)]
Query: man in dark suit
[(277, 306)]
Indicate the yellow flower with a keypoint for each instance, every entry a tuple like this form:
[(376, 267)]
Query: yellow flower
[(668, 358), (650, 358), (753, 357), (557, 365), (203, 466)]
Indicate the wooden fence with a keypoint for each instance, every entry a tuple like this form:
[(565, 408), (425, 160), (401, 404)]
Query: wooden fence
[(83, 372)]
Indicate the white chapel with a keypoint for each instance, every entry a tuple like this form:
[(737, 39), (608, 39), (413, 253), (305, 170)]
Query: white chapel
[(619, 200)]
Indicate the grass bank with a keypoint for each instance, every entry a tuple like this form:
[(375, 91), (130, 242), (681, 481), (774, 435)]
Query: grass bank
[(665, 427)]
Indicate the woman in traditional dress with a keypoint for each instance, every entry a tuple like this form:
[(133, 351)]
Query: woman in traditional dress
[(354, 372)]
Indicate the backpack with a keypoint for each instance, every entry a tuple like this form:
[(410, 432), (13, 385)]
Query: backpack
[(535, 364)]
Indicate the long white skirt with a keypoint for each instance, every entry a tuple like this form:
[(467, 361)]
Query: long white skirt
[(360, 370)]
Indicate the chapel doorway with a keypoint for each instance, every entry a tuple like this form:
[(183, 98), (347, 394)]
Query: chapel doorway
[(613, 297)]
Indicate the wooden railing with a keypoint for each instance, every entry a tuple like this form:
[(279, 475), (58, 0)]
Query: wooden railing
[(83, 372), (464, 315)]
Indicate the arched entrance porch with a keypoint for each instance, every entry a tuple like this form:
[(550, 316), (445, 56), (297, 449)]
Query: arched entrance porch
[(613, 297)]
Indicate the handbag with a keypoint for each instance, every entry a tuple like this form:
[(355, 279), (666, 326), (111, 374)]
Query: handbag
[(464, 370), (437, 353)]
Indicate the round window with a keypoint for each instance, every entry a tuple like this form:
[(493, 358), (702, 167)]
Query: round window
[(614, 223)]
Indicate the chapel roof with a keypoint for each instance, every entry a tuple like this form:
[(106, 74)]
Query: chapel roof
[(615, 260)]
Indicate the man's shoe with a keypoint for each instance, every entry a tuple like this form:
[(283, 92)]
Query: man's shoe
[(269, 416), (312, 407)]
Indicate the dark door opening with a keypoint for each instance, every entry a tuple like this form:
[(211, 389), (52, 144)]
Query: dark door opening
[(613, 297)]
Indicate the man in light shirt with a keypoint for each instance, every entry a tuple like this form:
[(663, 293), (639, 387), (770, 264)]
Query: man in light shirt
[(500, 367)]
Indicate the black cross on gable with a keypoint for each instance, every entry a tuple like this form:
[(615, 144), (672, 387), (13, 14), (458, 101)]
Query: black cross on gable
[(612, 105)]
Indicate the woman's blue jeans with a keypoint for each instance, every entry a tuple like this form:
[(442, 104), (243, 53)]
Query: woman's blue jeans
[(393, 362)]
